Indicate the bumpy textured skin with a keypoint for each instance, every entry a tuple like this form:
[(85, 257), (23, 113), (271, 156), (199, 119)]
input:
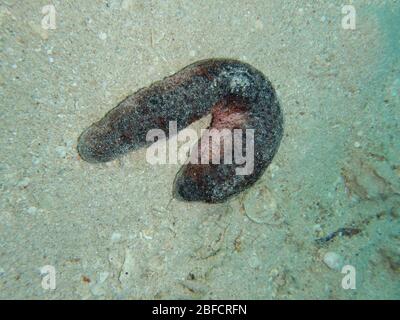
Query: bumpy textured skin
[(237, 95)]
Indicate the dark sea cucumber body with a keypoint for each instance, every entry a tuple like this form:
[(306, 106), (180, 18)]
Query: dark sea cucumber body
[(238, 96)]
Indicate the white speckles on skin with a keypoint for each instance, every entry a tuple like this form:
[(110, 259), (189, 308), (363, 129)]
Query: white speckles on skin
[(239, 83)]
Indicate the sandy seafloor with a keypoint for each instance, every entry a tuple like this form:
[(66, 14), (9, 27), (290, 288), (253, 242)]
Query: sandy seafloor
[(113, 231)]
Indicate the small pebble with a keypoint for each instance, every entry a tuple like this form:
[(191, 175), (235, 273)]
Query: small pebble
[(254, 262), (32, 210), (116, 236), (259, 25), (103, 276), (357, 144), (261, 206), (317, 228), (395, 88), (98, 290), (333, 260), (61, 151), (35, 160), (24, 182), (126, 4), (102, 36)]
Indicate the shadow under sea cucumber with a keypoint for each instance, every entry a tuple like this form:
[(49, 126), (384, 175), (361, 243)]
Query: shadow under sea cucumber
[(236, 94)]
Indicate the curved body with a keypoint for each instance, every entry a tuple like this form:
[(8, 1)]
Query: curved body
[(238, 96)]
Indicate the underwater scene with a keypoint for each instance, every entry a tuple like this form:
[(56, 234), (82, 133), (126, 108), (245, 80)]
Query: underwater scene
[(200, 150)]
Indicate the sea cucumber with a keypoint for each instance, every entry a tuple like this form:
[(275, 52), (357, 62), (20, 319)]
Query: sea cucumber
[(236, 94)]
